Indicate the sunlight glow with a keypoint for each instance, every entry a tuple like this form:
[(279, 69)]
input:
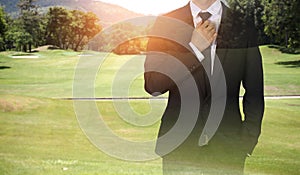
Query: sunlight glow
[(149, 7)]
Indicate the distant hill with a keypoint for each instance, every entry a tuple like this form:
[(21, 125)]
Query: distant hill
[(107, 13)]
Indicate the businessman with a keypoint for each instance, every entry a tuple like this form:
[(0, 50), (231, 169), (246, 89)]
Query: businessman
[(186, 47)]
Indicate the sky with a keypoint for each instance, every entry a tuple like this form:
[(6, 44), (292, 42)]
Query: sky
[(149, 7)]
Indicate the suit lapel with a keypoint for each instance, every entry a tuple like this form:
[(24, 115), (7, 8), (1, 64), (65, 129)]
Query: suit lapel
[(204, 85), (185, 15), (188, 18)]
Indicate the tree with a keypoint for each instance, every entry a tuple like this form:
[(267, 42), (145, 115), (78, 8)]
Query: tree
[(83, 27), (259, 7), (71, 29), (58, 26), (3, 28), (252, 11), (30, 23), (282, 22), (17, 36), (122, 38)]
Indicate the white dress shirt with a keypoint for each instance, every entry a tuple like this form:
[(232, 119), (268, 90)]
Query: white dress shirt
[(216, 14)]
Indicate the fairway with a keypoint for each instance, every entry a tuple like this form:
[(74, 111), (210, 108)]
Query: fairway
[(40, 134)]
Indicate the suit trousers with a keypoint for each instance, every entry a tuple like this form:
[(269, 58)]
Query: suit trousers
[(224, 156)]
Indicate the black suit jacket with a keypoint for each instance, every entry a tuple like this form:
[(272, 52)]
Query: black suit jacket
[(240, 59)]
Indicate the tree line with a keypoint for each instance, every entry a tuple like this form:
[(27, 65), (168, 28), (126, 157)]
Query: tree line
[(63, 28), (282, 22), (277, 22)]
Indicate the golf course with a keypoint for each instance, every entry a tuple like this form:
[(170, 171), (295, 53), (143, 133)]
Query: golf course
[(40, 133)]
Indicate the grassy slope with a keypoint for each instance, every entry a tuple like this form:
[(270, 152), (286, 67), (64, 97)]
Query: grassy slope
[(40, 135)]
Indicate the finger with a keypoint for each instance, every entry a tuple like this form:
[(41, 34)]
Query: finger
[(205, 24), (211, 32), (210, 29), (211, 26), (199, 24)]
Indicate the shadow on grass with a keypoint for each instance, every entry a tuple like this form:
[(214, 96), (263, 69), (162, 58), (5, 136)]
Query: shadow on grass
[(53, 48), (285, 50), (4, 67), (290, 64)]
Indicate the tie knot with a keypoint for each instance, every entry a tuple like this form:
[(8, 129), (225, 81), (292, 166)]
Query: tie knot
[(204, 15)]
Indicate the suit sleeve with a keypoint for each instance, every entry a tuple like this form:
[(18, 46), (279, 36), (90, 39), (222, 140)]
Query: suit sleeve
[(156, 79), (253, 100), (168, 62)]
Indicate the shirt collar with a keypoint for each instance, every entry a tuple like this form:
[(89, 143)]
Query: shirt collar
[(214, 9)]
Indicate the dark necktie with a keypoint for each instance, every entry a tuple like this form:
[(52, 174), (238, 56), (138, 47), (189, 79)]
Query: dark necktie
[(207, 57), (207, 52), (204, 15)]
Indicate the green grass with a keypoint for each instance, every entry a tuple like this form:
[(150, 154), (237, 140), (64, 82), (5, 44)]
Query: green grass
[(49, 76), (46, 138), (40, 134), (281, 72), (52, 74), (278, 150)]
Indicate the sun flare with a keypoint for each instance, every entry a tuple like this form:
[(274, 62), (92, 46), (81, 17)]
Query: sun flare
[(149, 7)]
